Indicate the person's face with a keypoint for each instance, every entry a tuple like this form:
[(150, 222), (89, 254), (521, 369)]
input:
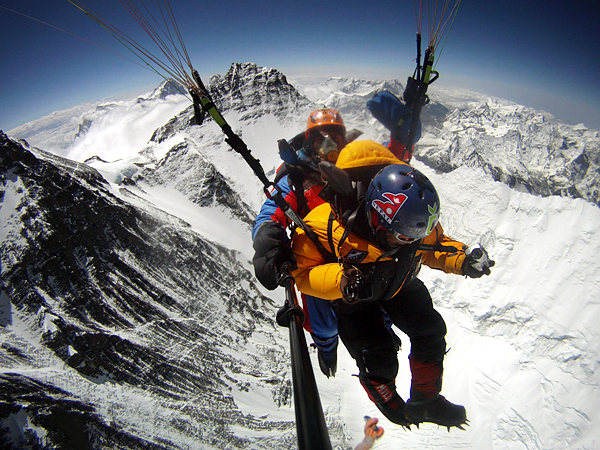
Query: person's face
[(394, 239), (322, 140)]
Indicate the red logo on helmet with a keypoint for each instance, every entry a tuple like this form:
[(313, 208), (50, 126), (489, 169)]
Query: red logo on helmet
[(388, 209)]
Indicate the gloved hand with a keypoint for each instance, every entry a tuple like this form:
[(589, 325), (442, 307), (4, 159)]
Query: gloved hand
[(394, 115), (477, 262), (272, 249)]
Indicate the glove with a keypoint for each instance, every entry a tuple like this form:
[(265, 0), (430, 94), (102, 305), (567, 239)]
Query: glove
[(287, 153), (272, 248), (390, 111), (477, 262)]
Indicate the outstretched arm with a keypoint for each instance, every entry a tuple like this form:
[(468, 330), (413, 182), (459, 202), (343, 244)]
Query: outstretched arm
[(448, 262), (470, 261)]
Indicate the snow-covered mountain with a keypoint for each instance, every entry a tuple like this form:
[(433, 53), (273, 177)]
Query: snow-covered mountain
[(106, 297), (110, 129), (518, 146), (130, 317)]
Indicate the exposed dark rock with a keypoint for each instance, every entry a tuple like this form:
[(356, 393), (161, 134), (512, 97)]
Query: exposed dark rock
[(188, 170), (127, 296), (517, 146), (255, 91), (69, 423)]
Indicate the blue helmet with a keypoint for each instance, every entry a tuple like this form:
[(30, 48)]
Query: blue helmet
[(402, 200)]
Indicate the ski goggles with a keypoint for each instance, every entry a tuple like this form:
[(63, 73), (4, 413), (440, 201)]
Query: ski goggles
[(391, 234)]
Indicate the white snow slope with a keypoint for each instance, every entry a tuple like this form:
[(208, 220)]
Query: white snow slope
[(524, 341)]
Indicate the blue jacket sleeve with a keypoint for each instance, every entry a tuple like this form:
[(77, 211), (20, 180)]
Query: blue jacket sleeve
[(268, 209)]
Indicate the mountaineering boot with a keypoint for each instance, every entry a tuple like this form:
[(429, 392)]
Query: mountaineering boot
[(436, 410), (387, 400), (326, 353), (425, 403), (327, 362)]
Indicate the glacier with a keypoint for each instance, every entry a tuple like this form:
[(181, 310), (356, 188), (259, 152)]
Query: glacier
[(128, 306)]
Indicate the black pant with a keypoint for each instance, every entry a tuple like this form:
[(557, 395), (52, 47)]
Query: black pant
[(362, 330)]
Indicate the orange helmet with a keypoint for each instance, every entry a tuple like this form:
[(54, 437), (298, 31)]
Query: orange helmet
[(327, 117)]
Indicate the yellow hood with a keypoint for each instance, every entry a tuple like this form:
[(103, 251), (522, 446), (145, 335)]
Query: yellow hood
[(365, 153)]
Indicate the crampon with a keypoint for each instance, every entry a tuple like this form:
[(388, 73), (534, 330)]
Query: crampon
[(437, 410)]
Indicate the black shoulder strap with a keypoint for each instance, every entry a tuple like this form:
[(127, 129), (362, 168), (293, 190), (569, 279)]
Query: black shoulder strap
[(297, 185), (348, 225), (330, 232)]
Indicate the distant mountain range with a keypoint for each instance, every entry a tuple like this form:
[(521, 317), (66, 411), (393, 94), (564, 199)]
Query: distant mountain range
[(515, 144)]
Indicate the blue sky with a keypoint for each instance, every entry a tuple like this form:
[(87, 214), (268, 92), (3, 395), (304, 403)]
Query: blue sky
[(543, 54)]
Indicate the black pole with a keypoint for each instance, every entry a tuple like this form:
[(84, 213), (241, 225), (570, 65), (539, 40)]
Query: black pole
[(310, 421)]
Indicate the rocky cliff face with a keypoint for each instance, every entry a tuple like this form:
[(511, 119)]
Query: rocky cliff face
[(254, 91), (188, 170), (99, 296), (518, 146), (247, 92)]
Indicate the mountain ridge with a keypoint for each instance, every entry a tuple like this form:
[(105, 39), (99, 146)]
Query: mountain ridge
[(544, 156)]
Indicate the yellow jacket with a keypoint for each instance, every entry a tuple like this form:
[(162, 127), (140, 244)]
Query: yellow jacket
[(315, 276)]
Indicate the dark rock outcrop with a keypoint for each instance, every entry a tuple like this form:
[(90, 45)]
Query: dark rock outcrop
[(123, 297)]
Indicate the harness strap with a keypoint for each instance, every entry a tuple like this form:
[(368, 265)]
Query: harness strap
[(348, 226)]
